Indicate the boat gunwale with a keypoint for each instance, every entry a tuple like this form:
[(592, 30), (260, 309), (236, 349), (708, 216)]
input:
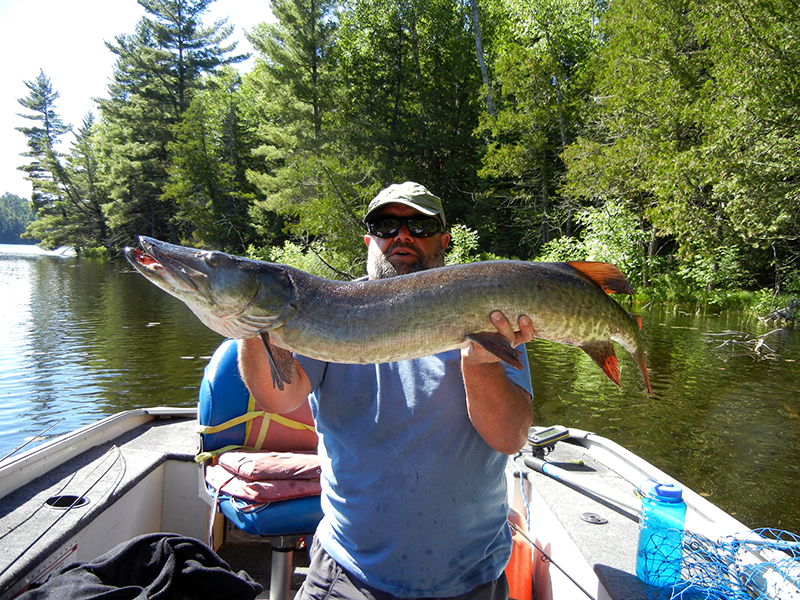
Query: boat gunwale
[(17, 471)]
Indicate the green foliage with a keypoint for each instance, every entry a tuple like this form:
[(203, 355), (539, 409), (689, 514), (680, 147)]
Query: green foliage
[(295, 63), (316, 259), (158, 73), (610, 234), (410, 94), (207, 177), (74, 216), (100, 252), (660, 135), (692, 128), (15, 215), (538, 65), (464, 247)]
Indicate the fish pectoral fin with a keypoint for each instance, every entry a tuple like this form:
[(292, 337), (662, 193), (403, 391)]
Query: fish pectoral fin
[(497, 344), (603, 354), (281, 363)]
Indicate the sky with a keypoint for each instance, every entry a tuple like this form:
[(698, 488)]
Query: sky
[(65, 38)]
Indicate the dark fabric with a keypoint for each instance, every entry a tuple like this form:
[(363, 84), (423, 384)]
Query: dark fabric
[(327, 580), (157, 566)]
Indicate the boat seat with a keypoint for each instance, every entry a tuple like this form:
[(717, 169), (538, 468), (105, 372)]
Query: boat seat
[(229, 422)]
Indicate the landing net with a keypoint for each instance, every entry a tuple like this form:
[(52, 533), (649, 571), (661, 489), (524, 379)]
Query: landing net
[(761, 565)]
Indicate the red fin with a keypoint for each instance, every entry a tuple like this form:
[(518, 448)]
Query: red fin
[(606, 275), (638, 320), (496, 344), (602, 353)]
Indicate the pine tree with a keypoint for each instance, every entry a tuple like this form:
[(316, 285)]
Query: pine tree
[(159, 71), (294, 88), (42, 139), (75, 218), (296, 59)]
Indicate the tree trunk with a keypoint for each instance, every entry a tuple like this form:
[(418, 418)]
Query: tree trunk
[(476, 28)]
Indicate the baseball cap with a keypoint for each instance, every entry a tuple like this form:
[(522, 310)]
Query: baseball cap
[(411, 194)]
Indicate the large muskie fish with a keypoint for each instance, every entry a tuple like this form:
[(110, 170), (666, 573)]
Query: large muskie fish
[(398, 318)]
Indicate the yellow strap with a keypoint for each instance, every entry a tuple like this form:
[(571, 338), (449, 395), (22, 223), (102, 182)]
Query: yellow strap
[(204, 456), (262, 432), (248, 416), (292, 423)]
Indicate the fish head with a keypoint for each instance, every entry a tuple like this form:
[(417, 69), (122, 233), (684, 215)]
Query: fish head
[(234, 296)]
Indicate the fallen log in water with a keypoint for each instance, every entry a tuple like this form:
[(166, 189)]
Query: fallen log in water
[(784, 317), (742, 343)]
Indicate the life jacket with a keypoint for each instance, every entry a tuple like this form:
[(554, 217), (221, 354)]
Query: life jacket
[(248, 453)]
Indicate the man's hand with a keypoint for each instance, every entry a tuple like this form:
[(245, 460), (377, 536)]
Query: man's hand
[(475, 354), (498, 408)]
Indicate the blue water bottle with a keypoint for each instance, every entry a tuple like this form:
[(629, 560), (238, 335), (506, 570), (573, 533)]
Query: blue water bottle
[(661, 525)]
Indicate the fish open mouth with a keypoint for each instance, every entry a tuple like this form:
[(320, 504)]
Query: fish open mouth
[(159, 260), (143, 258)]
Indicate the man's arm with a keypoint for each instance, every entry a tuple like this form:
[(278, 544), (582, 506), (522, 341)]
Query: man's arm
[(498, 408), (255, 371)]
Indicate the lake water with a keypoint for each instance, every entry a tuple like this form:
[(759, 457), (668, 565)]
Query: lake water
[(81, 339)]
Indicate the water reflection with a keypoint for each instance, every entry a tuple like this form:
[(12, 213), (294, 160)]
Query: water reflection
[(728, 426), (82, 339)]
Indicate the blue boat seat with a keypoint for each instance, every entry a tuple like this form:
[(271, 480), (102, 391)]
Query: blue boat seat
[(229, 421)]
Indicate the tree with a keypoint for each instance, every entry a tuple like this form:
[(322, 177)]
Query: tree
[(295, 60), (479, 52), (754, 130), (76, 218), (693, 125), (15, 215), (411, 94), (158, 72), (538, 63), (42, 139), (211, 154), (308, 178)]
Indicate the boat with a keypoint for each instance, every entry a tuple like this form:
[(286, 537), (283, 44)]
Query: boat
[(76, 497)]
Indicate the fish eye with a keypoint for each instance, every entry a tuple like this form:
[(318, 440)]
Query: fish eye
[(211, 258)]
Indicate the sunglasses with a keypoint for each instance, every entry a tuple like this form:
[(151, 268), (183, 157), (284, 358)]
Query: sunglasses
[(388, 227)]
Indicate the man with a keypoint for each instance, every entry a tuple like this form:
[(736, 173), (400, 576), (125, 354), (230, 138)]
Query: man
[(412, 452)]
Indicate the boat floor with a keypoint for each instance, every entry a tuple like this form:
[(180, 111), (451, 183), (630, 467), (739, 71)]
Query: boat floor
[(582, 530), (145, 480), (253, 554)]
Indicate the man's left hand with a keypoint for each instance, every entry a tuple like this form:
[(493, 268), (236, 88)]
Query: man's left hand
[(475, 354)]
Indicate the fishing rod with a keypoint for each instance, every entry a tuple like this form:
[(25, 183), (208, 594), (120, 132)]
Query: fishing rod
[(548, 558), (564, 476), (117, 457), (35, 437)]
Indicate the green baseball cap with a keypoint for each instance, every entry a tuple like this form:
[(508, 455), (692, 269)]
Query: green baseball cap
[(411, 194)]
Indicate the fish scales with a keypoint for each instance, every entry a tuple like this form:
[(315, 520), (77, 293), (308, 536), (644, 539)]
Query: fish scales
[(401, 317), (433, 311)]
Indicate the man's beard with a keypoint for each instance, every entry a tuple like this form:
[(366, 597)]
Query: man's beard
[(379, 267)]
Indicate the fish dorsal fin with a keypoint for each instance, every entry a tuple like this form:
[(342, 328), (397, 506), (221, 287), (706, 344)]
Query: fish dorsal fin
[(606, 275)]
